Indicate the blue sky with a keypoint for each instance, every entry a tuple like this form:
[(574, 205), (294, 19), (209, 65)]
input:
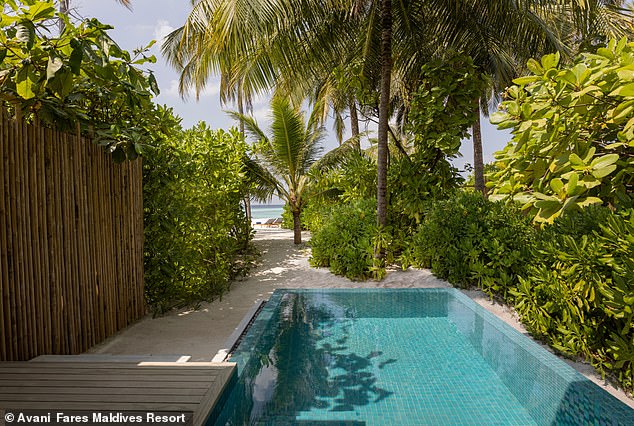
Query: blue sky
[(153, 19)]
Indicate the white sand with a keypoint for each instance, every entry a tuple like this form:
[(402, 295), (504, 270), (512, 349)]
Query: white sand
[(202, 332)]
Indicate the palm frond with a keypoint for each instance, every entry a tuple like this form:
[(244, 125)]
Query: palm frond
[(250, 125), (287, 139), (333, 158), (262, 182)]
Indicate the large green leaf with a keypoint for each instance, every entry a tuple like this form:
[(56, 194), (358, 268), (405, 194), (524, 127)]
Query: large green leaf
[(25, 82), (76, 56), (41, 10)]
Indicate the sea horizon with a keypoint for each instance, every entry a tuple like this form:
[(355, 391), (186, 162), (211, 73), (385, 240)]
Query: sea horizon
[(266, 211)]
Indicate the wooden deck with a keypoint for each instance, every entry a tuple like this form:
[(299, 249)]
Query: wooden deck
[(192, 387)]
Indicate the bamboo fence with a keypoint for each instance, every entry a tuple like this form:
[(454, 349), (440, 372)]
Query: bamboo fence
[(71, 242)]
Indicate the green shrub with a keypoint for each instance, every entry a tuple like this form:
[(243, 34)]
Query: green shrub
[(345, 243), (314, 215), (195, 227), (579, 293), (471, 241), (79, 77), (573, 133)]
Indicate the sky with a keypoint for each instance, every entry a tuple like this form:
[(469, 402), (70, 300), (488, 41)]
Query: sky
[(154, 19)]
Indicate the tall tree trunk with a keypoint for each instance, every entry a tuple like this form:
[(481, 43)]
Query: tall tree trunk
[(247, 198), (354, 122), (478, 162), (64, 6), (297, 228), (240, 107), (384, 104)]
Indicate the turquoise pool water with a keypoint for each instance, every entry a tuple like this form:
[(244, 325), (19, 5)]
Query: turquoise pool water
[(401, 357)]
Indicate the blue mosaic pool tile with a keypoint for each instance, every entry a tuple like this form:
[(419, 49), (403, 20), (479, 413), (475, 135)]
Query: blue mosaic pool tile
[(406, 357)]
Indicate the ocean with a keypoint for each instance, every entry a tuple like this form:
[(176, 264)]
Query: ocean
[(266, 211)]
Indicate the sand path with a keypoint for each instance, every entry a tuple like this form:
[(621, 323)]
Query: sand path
[(201, 333)]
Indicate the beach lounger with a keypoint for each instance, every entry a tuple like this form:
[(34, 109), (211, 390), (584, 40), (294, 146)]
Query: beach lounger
[(268, 223)]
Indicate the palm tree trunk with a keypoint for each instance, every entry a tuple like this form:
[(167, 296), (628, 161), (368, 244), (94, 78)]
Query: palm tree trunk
[(240, 107), (478, 162), (384, 104), (297, 228), (247, 198), (354, 122)]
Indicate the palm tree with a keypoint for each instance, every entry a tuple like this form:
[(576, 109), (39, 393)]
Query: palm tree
[(294, 43), (283, 157)]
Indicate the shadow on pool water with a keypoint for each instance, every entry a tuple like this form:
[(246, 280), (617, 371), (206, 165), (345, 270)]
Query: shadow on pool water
[(293, 378)]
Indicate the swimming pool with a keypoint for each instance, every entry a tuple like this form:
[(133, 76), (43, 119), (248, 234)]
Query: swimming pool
[(402, 357)]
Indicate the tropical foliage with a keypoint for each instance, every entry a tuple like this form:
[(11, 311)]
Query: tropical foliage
[(366, 53), (573, 133), (345, 242), (569, 281), (194, 180), (473, 242), (578, 293), (195, 228), (282, 159), (81, 76)]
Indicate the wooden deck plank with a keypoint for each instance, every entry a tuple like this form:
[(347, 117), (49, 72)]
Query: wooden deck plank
[(79, 378), (145, 384), (212, 396), (115, 386), (99, 397), (100, 406), (196, 371)]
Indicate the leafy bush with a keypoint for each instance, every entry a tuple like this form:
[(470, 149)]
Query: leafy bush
[(81, 76), (314, 215), (573, 128), (346, 241), (471, 241), (579, 293), (195, 227)]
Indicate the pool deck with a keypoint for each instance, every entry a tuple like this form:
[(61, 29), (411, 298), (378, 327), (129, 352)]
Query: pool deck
[(175, 388)]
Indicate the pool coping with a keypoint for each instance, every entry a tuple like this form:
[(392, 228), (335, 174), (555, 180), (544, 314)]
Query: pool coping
[(238, 332)]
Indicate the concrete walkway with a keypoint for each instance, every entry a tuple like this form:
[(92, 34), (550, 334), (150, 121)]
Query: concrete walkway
[(202, 332)]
